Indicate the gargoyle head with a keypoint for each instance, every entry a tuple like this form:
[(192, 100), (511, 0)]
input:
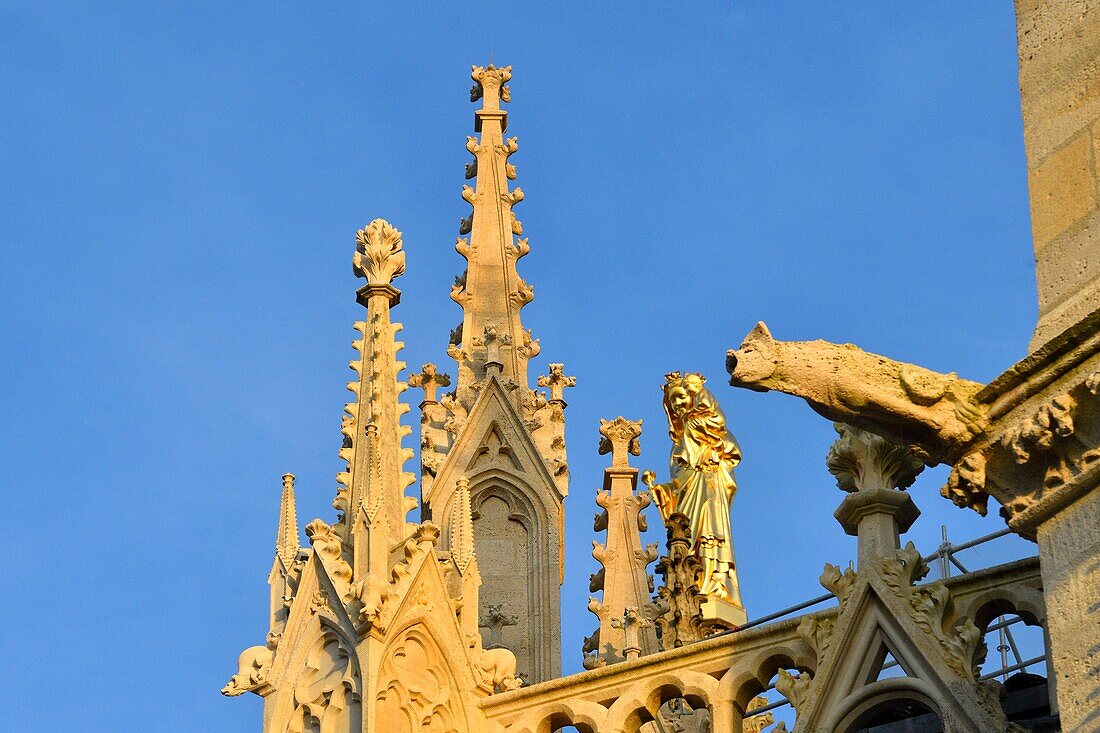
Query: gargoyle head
[(755, 361)]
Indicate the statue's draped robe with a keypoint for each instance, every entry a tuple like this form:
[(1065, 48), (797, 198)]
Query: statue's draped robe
[(701, 466)]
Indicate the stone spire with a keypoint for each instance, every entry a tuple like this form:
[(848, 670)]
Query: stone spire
[(625, 612), (287, 541), (373, 486), (492, 431), (465, 558), (491, 292), (285, 568)]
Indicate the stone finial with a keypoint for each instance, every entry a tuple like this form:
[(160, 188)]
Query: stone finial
[(625, 611), (620, 437), (429, 380), (862, 461), (379, 258), (287, 542), (557, 382), (489, 86)]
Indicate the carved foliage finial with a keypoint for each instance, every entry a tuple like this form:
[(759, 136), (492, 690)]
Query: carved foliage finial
[(862, 461), (619, 437), (429, 380), (379, 256), (489, 85)]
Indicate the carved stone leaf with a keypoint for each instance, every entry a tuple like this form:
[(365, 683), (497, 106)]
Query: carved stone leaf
[(378, 257)]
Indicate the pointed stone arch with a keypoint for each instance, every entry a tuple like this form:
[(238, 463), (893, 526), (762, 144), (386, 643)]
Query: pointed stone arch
[(521, 557), (515, 538), (876, 695)]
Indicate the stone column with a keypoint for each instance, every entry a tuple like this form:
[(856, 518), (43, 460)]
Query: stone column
[(1069, 554), (873, 470)]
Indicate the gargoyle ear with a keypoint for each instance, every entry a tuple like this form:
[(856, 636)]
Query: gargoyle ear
[(759, 333)]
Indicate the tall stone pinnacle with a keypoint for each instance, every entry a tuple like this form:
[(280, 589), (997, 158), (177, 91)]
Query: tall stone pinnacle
[(624, 609), (374, 481), (491, 338), (287, 541)]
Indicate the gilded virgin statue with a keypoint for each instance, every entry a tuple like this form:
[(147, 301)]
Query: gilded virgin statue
[(702, 487)]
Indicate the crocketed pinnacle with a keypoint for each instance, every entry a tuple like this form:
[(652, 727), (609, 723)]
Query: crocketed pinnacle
[(491, 292), (287, 541), (374, 481), (462, 529)]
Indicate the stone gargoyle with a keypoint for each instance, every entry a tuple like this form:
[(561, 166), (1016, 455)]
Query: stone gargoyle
[(252, 667), (934, 415)]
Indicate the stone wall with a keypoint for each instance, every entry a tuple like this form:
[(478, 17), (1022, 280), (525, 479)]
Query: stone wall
[(1059, 46), (1069, 547)]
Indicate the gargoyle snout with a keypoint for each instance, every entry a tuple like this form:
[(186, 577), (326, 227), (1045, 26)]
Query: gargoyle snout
[(731, 364)]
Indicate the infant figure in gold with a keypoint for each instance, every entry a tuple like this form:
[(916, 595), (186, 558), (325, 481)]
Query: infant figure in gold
[(702, 487)]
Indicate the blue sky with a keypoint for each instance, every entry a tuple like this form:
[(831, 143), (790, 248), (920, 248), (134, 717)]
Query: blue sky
[(179, 189)]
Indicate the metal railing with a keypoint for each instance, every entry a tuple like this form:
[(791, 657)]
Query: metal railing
[(945, 555)]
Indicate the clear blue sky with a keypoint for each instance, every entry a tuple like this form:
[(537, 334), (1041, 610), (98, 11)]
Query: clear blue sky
[(179, 189)]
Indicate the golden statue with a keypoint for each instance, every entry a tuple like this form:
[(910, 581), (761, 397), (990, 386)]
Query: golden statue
[(702, 488)]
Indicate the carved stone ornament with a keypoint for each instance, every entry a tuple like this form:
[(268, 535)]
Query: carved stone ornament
[(863, 461), (1039, 462), (252, 668), (619, 437), (962, 643), (489, 85), (378, 254), (429, 380), (679, 617), (557, 381), (935, 415), (757, 723)]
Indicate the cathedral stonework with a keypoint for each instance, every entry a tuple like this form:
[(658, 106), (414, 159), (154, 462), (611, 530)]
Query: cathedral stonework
[(392, 620)]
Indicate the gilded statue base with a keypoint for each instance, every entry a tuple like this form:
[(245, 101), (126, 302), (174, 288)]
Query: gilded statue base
[(719, 612)]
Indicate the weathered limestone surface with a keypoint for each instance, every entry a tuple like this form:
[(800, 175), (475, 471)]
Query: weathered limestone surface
[(1059, 47), (1069, 549)]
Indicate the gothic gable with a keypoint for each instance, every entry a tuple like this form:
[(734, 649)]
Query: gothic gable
[(885, 614), (493, 438)]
